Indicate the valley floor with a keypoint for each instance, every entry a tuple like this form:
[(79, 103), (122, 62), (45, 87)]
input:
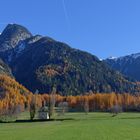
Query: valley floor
[(77, 126)]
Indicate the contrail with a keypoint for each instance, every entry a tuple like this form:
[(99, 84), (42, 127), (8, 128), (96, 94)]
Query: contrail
[(66, 14)]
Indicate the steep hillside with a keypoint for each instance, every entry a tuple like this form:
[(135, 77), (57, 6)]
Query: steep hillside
[(47, 63), (4, 69), (8, 85)]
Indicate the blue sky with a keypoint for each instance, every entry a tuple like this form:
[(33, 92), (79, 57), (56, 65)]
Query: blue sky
[(102, 27)]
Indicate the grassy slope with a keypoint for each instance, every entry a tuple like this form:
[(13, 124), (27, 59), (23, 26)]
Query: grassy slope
[(94, 126)]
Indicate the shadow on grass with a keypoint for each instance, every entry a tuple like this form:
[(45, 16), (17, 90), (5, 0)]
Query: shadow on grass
[(37, 120), (128, 118), (72, 119)]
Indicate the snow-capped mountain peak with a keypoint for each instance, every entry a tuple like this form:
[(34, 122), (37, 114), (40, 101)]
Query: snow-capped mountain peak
[(112, 58)]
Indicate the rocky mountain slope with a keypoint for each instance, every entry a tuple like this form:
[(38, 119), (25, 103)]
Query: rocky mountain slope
[(4, 69)]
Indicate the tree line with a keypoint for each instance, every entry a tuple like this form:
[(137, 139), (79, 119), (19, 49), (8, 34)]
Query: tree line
[(14, 98), (14, 102)]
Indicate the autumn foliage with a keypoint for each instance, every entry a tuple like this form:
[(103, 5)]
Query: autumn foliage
[(95, 102), (13, 96)]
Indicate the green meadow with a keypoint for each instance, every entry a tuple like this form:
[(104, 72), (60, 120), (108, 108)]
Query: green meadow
[(76, 126)]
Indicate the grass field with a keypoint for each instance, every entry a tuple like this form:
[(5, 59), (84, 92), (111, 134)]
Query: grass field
[(78, 126)]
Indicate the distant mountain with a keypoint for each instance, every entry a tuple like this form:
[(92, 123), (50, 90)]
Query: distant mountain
[(41, 63), (128, 65)]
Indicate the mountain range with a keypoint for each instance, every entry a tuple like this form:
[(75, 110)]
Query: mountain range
[(128, 65), (39, 62)]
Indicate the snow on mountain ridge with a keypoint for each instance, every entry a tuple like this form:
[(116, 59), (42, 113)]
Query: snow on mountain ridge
[(135, 56), (112, 57)]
